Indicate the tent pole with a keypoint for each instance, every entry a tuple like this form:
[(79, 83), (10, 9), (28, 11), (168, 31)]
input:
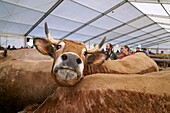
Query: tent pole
[(25, 41)]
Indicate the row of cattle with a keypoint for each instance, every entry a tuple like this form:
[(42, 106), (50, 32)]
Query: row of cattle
[(112, 93), (27, 80), (162, 60), (36, 84)]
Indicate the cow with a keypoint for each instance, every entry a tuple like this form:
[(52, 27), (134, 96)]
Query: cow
[(161, 63), (25, 79), (112, 93), (72, 60)]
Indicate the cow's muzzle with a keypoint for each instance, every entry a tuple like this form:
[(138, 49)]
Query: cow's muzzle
[(68, 69)]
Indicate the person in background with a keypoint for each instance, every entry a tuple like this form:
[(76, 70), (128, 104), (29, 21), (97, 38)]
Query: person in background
[(150, 52), (145, 51), (125, 51), (1, 48), (137, 49), (9, 47), (13, 48), (5, 53), (162, 52), (109, 52), (117, 51)]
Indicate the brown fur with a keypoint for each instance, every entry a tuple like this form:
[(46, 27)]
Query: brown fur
[(166, 56), (70, 47), (113, 93), (23, 81), (31, 54), (137, 63), (162, 56), (24, 72)]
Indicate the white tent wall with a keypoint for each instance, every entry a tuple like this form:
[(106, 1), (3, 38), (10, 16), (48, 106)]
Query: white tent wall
[(123, 22), (161, 47), (12, 41)]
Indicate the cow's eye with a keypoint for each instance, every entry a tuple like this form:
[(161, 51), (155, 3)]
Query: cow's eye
[(85, 53), (58, 47)]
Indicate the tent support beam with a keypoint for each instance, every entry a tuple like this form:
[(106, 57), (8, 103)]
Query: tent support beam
[(25, 41), (138, 36), (130, 32), (94, 19), (114, 29), (44, 16), (145, 39), (157, 40)]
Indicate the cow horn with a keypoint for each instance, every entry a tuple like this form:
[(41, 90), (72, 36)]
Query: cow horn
[(97, 47), (50, 38)]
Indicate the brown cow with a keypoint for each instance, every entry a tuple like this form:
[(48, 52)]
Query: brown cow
[(70, 60), (138, 63), (161, 63), (25, 79), (113, 93)]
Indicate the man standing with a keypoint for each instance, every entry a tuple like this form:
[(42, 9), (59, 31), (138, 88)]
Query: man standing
[(145, 51), (109, 52), (137, 49)]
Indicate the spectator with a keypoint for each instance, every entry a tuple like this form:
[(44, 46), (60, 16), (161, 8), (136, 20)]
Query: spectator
[(145, 51), (102, 50), (1, 48), (13, 48), (5, 53), (117, 51), (137, 49), (109, 52), (125, 51), (9, 47), (150, 52), (162, 52)]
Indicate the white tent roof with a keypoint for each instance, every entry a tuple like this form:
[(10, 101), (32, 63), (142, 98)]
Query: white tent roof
[(133, 22)]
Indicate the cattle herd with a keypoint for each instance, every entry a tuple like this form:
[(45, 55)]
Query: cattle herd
[(64, 76)]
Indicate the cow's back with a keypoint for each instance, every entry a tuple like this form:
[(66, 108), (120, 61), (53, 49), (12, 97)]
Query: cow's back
[(138, 63), (31, 54), (24, 80), (113, 93)]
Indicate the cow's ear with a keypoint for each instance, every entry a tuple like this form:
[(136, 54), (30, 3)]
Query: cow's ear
[(44, 46), (96, 58)]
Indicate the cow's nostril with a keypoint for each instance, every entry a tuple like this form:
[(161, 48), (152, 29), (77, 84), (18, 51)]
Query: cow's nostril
[(78, 61), (64, 57)]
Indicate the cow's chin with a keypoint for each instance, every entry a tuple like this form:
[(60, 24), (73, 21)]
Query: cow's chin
[(67, 77)]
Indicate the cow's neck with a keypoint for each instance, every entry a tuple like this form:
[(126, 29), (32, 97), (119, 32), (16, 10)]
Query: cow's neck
[(92, 69), (135, 64)]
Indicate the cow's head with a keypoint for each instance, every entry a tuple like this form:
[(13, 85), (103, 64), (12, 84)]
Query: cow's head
[(69, 57)]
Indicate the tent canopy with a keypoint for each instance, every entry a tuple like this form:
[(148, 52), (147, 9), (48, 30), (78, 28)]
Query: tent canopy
[(133, 23)]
